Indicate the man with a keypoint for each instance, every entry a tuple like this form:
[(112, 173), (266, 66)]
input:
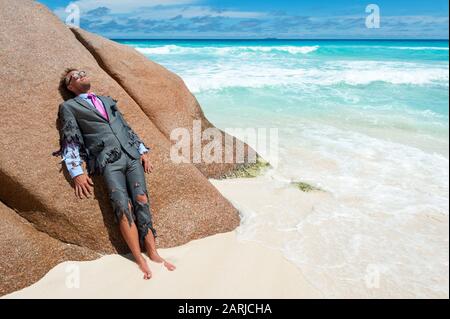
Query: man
[(94, 129)]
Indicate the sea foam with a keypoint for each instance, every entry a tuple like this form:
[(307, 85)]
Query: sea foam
[(258, 75), (380, 231), (175, 49)]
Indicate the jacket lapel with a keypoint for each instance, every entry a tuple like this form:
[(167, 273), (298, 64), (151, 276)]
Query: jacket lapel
[(93, 109), (107, 106)]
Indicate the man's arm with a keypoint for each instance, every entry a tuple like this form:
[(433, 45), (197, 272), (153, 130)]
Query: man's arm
[(71, 156), (148, 167), (70, 133), (143, 149), (72, 143), (133, 136), (136, 139)]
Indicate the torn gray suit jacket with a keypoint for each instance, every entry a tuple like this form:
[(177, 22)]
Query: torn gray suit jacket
[(101, 141)]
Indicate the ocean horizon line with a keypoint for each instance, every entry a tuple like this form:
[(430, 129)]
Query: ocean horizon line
[(276, 39)]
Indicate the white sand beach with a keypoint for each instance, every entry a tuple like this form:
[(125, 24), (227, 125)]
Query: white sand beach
[(215, 267)]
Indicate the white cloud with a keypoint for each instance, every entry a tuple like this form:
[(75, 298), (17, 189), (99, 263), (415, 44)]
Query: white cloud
[(122, 6), (195, 11), (166, 9)]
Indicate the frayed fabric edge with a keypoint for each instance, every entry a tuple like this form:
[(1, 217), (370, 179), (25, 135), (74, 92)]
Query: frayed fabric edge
[(143, 232), (119, 209)]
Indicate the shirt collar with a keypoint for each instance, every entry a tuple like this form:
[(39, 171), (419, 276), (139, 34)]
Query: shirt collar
[(85, 95)]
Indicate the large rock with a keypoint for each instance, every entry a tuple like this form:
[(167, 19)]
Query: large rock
[(36, 48), (27, 254), (163, 96)]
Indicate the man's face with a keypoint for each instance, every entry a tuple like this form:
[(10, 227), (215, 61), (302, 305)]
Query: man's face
[(78, 82)]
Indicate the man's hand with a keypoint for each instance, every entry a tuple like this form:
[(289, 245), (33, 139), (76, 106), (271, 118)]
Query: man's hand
[(148, 167), (83, 185)]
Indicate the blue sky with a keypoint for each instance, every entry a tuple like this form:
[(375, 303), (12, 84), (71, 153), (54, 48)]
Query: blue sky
[(258, 19)]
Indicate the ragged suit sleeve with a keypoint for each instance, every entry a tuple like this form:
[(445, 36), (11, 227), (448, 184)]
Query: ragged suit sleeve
[(136, 140), (70, 135)]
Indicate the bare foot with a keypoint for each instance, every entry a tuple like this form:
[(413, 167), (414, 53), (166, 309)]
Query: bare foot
[(154, 256), (144, 268)]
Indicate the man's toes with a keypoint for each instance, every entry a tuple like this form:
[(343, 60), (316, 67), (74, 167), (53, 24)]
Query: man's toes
[(147, 276), (169, 266)]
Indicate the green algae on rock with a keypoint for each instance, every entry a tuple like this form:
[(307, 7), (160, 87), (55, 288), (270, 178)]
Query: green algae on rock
[(249, 170), (305, 187)]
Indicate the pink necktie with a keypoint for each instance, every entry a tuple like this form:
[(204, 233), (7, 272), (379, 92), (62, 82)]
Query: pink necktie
[(98, 105)]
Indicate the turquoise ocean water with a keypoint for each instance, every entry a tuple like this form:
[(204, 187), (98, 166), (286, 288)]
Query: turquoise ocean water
[(367, 121)]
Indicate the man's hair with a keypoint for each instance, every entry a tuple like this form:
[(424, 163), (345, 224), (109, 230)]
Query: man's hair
[(67, 71), (63, 90)]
